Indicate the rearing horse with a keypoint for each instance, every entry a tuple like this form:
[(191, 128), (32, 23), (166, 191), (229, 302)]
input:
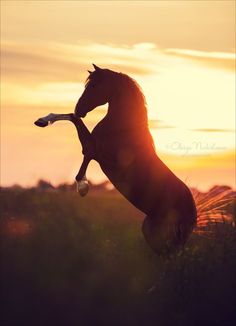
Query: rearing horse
[(123, 146)]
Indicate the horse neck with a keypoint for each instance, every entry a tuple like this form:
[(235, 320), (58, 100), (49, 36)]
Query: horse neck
[(124, 114)]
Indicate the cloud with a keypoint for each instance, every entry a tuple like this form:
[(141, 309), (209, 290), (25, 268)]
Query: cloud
[(57, 62), (220, 60), (159, 124), (54, 62), (213, 130), (33, 65), (52, 75)]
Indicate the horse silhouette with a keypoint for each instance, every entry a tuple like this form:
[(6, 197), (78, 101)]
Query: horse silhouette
[(123, 146)]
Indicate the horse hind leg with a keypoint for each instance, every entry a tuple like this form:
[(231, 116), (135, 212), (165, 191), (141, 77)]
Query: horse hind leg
[(153, 234), (165, 235)]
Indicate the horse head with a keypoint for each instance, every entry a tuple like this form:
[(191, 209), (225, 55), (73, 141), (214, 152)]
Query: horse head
[(96, 93)]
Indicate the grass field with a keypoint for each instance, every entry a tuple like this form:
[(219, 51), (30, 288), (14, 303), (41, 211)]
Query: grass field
[(67, 260)]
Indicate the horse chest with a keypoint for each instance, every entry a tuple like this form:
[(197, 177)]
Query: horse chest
[(115, 154)]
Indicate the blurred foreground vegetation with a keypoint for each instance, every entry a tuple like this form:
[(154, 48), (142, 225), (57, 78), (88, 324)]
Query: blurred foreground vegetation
[(67, 260)]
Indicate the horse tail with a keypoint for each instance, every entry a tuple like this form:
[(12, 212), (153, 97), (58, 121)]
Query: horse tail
[(217, 205)]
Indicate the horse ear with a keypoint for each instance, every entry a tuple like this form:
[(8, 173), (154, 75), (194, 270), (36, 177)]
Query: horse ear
[(96, 67), (89, 72)]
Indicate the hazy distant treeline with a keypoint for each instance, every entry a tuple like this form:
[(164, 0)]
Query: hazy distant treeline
[(44, 185), (105, 186)]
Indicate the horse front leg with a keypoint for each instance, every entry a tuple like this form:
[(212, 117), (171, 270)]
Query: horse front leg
[(89, 151), (82, 182), (51, 118), (84, 134), (87, 142)]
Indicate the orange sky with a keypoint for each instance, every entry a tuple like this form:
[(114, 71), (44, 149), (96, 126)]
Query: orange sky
[(181, 53)]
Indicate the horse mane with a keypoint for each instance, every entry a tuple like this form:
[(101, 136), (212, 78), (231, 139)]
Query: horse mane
[(133, 95), (133, 87)]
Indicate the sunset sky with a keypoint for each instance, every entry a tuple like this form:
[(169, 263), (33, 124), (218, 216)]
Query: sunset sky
[(182, 53)]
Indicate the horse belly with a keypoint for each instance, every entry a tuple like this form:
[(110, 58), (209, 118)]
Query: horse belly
[(136, 183)]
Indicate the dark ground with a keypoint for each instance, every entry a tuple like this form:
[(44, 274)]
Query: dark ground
[(72, 261)]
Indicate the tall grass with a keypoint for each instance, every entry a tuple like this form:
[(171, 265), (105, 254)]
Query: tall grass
[(216, 206), (72, 261)]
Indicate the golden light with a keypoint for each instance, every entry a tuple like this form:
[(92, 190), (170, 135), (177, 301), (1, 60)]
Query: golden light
[(190, 93)]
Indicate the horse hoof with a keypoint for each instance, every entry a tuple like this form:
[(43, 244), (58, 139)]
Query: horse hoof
[(41, 123), (82, 187)]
